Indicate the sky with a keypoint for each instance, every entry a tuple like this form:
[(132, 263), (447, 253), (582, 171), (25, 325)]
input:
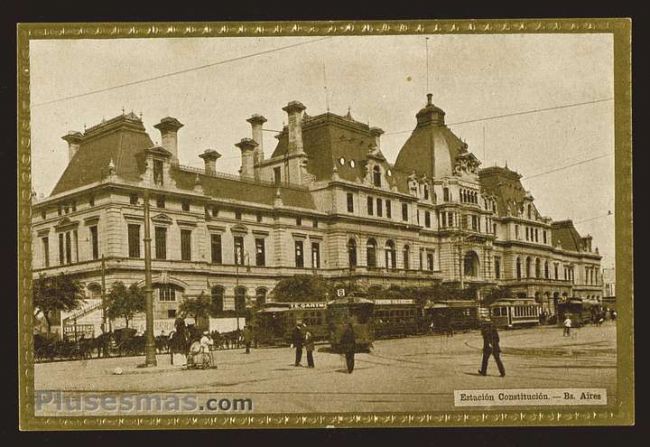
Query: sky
[(381, 79)]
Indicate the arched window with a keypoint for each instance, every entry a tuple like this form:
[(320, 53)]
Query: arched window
[(371, 253), (352, 252), (471, 264), (546, 269), (240, 299), (376, 176), (518, 268), (168, 292), (260, 296), (390, 255), (538, 268), (529, 263), (217, 299), (406, 254)]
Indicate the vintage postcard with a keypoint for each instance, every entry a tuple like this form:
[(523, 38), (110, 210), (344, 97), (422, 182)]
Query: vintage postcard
[(325, 224)]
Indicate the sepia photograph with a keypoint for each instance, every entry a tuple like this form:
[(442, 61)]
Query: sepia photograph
[(326, 224)]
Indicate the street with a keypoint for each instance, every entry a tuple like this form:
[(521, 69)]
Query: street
[(410, 374)]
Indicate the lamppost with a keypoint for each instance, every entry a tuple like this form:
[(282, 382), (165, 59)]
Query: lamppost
[(150, 344)]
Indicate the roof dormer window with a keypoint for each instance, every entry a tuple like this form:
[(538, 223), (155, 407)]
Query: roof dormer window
[(158, 172), (376, 176)]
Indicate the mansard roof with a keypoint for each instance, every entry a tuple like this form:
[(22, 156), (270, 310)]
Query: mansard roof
[(566, 234), (505, 185), (122, 139)]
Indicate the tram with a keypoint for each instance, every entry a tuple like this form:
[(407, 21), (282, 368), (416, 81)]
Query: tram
[(355, 310), (580, 310), (276, 321), (515, 312), (396, 318), (451, 315)]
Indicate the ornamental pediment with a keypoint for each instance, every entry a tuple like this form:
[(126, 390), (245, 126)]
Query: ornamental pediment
[(65, 223), (162, 219)]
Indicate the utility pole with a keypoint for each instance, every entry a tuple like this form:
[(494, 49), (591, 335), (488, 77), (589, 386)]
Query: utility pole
[(104, 295), (150, 344)]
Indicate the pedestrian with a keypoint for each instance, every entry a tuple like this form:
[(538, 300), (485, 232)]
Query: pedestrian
[(297, 337), (247, 335), (614, 314), (491, 347), (567, 326), (309, 347), (348, 345)]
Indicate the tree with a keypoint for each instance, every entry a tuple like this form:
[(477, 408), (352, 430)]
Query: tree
[(199, 307), (496, 293), (123, 302), (302, 288), (55, 294)]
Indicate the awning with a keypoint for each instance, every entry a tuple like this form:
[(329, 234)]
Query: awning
[(268, 310)]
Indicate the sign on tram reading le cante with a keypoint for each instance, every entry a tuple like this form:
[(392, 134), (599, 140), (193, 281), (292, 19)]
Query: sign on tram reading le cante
[(307, 305)]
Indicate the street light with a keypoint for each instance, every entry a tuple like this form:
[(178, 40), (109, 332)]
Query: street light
[(150, 344)]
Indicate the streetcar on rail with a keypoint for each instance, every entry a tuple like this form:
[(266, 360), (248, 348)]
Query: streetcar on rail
[(275, 321), (397, 318), (451, 315), (515, 312), (581, 311), (355, 310)]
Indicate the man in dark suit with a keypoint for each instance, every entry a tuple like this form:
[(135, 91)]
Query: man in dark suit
[(491, 347), (297, 343), (348, 346)]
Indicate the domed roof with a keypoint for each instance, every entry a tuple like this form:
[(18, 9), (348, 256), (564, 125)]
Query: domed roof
[(432, 148)]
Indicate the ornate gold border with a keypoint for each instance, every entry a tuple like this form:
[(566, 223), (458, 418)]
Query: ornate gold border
[(623, 414)]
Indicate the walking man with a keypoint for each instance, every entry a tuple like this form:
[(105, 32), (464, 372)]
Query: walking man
[(247, 335), (348, 344), (567, 326), (309, 347), (491, 347), (297, 343)]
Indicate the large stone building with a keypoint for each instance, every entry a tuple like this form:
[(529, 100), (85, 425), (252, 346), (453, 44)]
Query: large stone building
[(325, 201)]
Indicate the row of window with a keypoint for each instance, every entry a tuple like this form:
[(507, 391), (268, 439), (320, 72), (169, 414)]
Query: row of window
[(532, 234), (66, 251), (68, 207), (390, 254), (377, 207), (568, 270), (468, 196)]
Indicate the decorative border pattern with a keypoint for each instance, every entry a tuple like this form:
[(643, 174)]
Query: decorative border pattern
[(621, 30)]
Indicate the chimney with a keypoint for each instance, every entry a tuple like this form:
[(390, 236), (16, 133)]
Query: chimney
[(375, 133), (257, 121), (210, 158), (168, 128), (294, 110), (74, 140), (247, 147)]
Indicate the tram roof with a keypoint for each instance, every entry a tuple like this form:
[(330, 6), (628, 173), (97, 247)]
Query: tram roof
[(350, 300)]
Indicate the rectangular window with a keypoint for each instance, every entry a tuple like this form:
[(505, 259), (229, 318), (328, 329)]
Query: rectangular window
[(370, 206), (277, 175), (238, 214), (427, 219), (215, 246), (536, 235), (544, 236), (160, 201), (239, 250), (260, 257), (389, 211), (134, 240), (186, 245), (527, 233), (517, 232), (46, 251), (494, 228), (497, 267), (556, 271), (314, 223), (258, 217), (315, 255), (161, 242), (60, 210), (133, 199), (171, 313), (166, 293), (350, 200), (443, 219), (380, 210), (298, 221), (430, 261), (74, 205), (68, 248), (158, 172), (95, 241), (405, 212), (300, 258), (185, 205), (445, 194), (475, 223), (91, 201)]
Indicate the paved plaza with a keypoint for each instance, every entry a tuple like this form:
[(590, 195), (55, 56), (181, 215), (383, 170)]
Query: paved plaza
[(410, 374)]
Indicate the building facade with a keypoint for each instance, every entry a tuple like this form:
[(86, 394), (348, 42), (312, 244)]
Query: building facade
[(325, 201)]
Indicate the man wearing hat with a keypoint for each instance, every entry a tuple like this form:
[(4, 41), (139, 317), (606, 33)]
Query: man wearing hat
[(297, 342), (490, 347)]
